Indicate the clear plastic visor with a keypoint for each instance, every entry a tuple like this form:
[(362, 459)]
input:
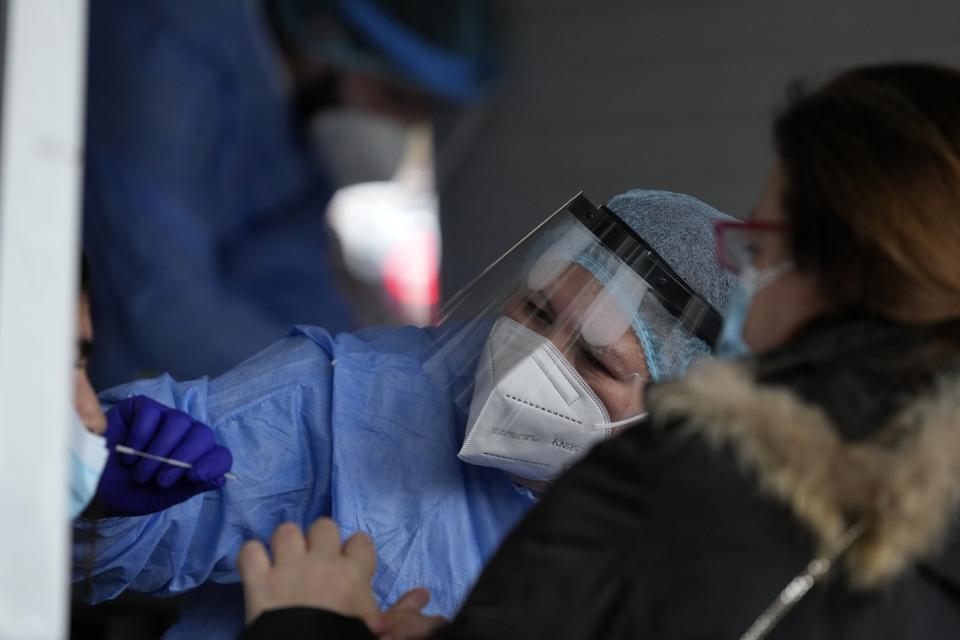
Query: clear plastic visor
[(599, 295)]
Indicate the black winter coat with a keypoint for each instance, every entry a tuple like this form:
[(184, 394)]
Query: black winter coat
[(689, 526)]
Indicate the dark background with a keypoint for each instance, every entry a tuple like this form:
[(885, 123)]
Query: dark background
[(608, 95)]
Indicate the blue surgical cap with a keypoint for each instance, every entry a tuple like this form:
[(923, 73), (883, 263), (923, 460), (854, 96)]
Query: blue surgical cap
[(446, 48), (680, 229)]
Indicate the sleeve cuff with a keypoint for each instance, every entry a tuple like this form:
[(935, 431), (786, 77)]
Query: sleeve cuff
[(295, 623)]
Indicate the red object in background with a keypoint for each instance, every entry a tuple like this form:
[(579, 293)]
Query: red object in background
[(411, 275)]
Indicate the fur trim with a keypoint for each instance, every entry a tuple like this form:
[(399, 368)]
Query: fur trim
[(905, 481)]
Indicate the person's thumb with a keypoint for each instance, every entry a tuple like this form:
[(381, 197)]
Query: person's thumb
[(413, 600)]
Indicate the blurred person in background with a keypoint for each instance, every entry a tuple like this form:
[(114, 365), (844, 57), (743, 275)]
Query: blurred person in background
[(808, 488), (434, 441), (216, 134)]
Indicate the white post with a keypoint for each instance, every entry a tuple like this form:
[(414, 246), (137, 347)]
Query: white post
[(40, 167)]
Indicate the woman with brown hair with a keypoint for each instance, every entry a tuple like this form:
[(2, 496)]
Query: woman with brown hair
[(808, 488)]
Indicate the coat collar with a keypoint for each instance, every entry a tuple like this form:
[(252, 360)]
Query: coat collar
[(904, 478)]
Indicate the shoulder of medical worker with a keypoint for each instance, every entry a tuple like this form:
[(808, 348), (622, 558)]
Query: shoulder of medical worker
[(170, 24), (300, 359), (400, 341), (189, 397), (177, 57), (309, 353), (308, 356)]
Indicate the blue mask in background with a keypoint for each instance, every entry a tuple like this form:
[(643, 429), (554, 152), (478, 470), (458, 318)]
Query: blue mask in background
[(88, 456), (730, 344)]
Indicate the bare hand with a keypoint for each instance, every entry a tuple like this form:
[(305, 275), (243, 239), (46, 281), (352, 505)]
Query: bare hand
[(403, 621), (314, 572)]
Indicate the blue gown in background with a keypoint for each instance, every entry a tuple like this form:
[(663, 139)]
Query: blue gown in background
[(355, 428), (203, 205)]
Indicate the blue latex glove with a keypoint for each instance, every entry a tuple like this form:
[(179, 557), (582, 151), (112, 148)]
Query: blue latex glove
[(131, 485)]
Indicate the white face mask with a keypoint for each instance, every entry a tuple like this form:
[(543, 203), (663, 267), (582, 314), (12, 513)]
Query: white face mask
[(88, 457), (359, 146), (532, 415)]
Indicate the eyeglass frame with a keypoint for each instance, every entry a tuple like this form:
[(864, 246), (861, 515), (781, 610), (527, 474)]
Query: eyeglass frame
[(721, 226)]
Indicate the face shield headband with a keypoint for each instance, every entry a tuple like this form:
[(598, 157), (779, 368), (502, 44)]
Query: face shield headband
[(673, 292)]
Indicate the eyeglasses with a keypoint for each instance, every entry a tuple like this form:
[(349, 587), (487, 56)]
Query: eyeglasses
[(738, 243)]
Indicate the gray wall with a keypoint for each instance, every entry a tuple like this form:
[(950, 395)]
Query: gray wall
[(605, 95)]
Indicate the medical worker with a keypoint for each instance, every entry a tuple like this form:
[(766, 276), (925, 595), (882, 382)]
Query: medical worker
[(808, 489), (434, 441), (204, 196)]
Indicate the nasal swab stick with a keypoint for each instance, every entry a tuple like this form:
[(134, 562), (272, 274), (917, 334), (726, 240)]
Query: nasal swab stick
[(174, 463)]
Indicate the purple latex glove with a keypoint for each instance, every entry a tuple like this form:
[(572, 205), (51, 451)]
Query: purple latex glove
[(131, 485)]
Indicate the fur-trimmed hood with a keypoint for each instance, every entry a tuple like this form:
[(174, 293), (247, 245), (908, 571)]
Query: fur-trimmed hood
[(904, 479)]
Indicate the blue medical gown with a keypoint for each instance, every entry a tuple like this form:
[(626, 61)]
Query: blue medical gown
[(356, 428), (203, 202)]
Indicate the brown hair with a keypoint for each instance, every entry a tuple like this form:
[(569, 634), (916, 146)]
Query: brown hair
[(871, 163)]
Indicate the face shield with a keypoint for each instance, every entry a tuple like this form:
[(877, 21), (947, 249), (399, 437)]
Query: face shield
[(564, 332)]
